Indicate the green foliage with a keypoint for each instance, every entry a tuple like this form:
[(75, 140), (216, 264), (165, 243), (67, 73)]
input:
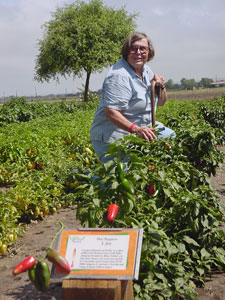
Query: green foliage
[(47, 162), (182, 236), (214, 113), (82, 37), (169, 84), (17, 110), (189, 84), (205, 82)]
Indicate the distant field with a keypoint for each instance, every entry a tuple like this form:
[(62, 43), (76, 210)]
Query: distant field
[(198, 94)]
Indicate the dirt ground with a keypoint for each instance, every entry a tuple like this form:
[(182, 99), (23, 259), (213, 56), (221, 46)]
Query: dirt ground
[(39, 235)]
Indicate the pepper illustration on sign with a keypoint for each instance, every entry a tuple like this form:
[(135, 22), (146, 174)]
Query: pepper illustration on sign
[(73, 257)]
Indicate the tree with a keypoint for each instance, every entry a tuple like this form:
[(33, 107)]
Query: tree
[(169, 84), (192, 84), (82, 37), (205, 82), (184, 83), (188, 84)]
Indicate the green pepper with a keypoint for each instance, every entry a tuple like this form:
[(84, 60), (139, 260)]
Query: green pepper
[(120, 170), (91, 221), (32, 274), (127, 186), (129, 196), (43, 274)]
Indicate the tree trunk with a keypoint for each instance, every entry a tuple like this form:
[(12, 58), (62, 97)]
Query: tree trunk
[(87, 86)]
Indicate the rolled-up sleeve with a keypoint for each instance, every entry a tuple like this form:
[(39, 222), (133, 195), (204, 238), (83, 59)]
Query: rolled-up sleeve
[(117, 92)]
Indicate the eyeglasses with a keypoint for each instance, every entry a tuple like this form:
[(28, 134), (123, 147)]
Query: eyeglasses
[(142, 49)]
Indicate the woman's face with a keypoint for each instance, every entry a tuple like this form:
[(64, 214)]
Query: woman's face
[(138, 55)]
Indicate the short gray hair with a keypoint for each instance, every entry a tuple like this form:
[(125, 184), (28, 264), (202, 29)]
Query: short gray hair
[(133, 37)]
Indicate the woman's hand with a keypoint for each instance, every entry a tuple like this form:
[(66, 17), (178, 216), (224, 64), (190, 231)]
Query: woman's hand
[(120, 121), (160, 89), (145, 132), (159, 81)]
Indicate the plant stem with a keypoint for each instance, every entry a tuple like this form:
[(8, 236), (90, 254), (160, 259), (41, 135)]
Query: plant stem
[(57, 234)]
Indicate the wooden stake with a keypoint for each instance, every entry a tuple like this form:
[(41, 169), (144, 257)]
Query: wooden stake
[(159, 93), (153, 102)]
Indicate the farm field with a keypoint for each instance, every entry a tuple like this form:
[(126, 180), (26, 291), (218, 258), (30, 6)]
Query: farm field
[(47, 166), (198, 94)]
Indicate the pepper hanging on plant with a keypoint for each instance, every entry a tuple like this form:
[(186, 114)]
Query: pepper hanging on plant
[(120, 170), (112, 212), (126, 186), (91, 220), (151, 190)]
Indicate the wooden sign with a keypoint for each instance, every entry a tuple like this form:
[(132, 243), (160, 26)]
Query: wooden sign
[(101, 253)]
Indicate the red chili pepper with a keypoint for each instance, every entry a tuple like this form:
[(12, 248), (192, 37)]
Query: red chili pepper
[(24, 265), (152, 168), (58, 260), (168, 146), (112, 212), (151, 189)]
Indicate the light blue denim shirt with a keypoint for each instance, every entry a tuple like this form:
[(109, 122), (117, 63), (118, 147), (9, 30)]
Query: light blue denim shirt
[(123, 90)]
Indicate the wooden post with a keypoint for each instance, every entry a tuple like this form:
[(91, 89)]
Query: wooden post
[(87, 289), (159, 93)]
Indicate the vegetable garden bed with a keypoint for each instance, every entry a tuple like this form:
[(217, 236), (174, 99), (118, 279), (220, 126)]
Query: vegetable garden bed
[(47, 163)]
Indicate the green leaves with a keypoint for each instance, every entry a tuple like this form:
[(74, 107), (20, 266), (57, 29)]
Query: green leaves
[(82, 37), (190, 241), (182, 240), (181, 223)]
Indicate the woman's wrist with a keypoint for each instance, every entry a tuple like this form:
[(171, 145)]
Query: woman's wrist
[(131, 127), (135, 129)]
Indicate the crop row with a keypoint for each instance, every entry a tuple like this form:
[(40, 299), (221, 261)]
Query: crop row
[(48, 162)]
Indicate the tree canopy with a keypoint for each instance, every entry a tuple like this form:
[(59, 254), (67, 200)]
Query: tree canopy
[(82, 38), (188, 84), (205, 82)]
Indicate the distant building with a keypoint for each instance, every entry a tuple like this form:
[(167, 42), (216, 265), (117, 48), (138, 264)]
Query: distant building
[(217, 83)]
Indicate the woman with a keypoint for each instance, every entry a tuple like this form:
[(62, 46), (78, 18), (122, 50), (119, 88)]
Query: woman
[(125, 106)]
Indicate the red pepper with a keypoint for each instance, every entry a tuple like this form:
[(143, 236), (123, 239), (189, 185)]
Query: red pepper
[(168, 145), (152, 168), (24, 265), (112, 212), (58, 260), (151, 189)]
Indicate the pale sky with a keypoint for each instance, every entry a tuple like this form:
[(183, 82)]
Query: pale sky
[(188, 37)]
